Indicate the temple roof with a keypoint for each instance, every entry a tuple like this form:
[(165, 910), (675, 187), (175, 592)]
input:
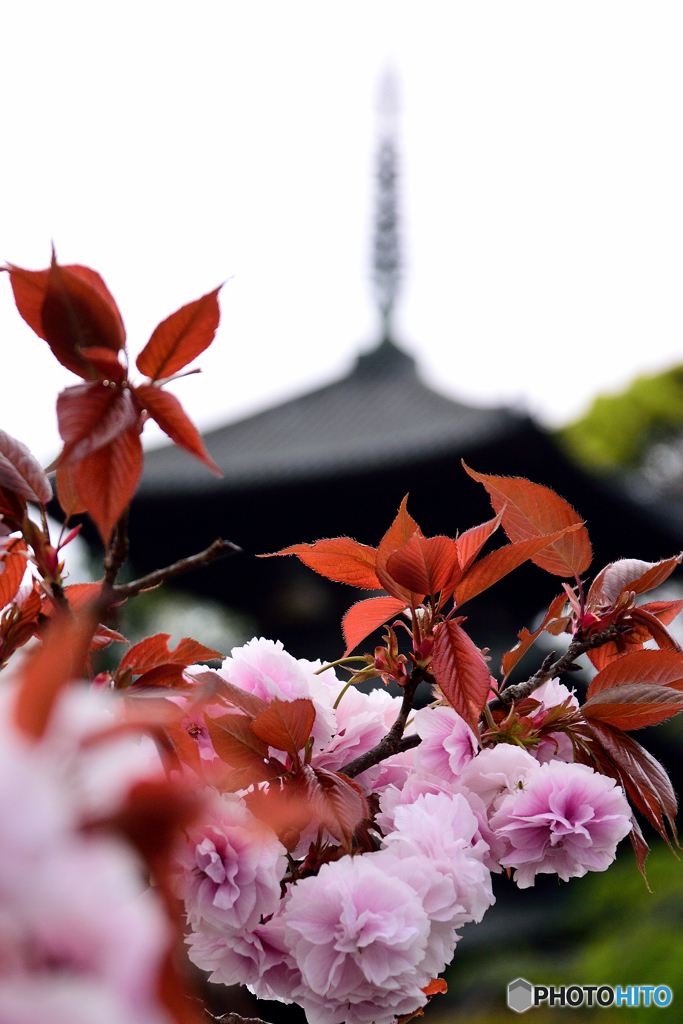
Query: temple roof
[(381, 415)]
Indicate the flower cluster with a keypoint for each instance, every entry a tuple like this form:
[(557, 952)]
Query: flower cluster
[(357, 935)]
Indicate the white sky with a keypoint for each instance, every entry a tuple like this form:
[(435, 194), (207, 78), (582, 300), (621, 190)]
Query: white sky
[(171, 146)]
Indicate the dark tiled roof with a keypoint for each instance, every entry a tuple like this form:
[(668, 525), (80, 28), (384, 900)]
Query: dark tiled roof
[(380, 415)]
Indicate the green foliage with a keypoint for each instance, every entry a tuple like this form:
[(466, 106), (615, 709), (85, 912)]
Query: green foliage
[(617, 429)]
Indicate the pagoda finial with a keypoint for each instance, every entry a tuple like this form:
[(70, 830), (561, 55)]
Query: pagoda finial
[(387, 257)]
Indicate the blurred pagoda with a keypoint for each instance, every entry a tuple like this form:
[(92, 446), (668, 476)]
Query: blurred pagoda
[(338, 461)]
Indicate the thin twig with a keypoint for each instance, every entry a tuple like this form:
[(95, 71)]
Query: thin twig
[(393, 742), (549, 669), (219, 549)]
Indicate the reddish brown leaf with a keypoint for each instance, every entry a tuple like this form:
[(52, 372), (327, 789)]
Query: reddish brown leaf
[(526, 639), (461, 672), (656, 629), (660, 668), (340, 558), (366, 616), (665, 611), (633, 705), (71, 308), (283, 807), (530, 510), (66, 492), (106, 480), (180, 338), (426, 565), (167, 411), (90, 416), (336, 801), (105, 364), (59, 660), (12, 509), (166, 676), (12, 569), (640, 848), (154, 651), (646, 782), (470, 543), (494, 566), (630, 574), (397, 536), (20, 472), (227, 692), (235, 743), (286, 725)]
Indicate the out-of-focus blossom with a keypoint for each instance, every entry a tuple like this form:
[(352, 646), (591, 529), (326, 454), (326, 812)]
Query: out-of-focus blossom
[(567, 820), (230, 869), (80, 940)]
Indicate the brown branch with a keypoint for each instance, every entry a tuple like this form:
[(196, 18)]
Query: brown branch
[(393, 742), (550, 669), (118, 550), (219, 549)]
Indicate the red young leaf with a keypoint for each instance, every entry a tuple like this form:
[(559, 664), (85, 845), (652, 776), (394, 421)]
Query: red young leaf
[(167, 411), (470, 543), (426, 565), (90, 416), (659, 668), (340, 558), (336, 801), (71, 308), (437, 985), (235, 743), (461, 672), (665, 611), (12, 569), (59, 660), (167, 676), (106, 480), (286, 725), (656, 629), (154, 651), (66, 491), (629, 574), (180, 338), (645, 780), (530, 510), (526, 639), (20, 472), (634, 706), (397, 536), (366, 616), (494, 566), (104, 636)]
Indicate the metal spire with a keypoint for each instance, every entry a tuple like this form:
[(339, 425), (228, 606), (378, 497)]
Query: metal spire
[(387, 256)]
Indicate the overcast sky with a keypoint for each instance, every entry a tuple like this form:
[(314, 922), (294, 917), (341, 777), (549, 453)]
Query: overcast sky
[(172, 146)]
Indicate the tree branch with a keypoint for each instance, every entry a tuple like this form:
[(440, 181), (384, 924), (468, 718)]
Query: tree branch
[(219, 549), (118, 550), (549, 669), (393, 742)]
